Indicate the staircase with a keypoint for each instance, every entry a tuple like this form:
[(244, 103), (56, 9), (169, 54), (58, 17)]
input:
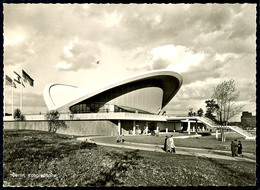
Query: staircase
[(238, 130), (208, 122), (242, 132)]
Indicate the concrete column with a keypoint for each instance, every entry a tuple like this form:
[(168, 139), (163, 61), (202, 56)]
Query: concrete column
[(203, 129), (166, 130), (216, 134), (146, 127), (188, 127), (157, 129), (119, 127), (134, 128), (196, 127), (193, 129)]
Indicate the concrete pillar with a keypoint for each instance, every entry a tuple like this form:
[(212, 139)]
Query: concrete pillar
[(166, 130), (119, 127), (146, 127), (203, 129), (188, 127), (157, 129), (196, 127), (216, 134), (193, 129), (134, 128)]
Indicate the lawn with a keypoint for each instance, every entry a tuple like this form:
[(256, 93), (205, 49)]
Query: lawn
[(34, 158), (209, 142)]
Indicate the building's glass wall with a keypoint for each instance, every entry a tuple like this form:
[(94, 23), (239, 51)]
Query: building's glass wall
[(147, 99)]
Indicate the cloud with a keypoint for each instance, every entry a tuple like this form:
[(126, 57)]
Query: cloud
[(177, 58), (29, 98), (17, 50), (79, 55), (32, 99)]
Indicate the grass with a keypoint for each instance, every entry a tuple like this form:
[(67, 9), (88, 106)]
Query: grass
[(73, 163), (208, 142)]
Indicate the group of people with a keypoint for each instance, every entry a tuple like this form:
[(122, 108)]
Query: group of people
[(169, 144), (236, 148), (120, 138)]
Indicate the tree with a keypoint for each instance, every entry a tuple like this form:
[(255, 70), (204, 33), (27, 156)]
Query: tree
[(190, 113), (226, 97), (18, 115), (54, 122), (212, 109), (200, 112)]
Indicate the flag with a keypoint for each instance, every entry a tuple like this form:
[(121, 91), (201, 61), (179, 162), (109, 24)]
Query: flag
[(17, 78), (9, 81), (27, 78)]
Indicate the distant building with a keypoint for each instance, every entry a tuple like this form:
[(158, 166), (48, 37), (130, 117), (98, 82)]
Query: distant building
[(235, 123), (248, 120)]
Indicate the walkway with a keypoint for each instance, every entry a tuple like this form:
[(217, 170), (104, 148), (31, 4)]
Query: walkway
[(217, 154)]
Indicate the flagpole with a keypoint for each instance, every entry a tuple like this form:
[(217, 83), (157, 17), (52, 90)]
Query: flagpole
[(21, 94), (13, 99), (4, 92), (13, 96)]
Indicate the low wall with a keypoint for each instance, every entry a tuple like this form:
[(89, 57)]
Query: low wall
[(83, 128)]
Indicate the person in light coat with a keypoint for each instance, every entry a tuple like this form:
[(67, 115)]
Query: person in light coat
[(172, 145)]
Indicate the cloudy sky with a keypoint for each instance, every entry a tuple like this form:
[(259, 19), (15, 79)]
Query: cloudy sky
[(205, 43)]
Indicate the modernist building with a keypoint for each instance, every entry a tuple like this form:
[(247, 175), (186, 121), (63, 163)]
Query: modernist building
[(143, 93), (132, 104)]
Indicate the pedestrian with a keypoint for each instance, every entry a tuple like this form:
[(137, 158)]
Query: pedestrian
[(165, 144), (172, 150), (168, 147), (118, 138), (236, 147), (239, 150), (233, 149)]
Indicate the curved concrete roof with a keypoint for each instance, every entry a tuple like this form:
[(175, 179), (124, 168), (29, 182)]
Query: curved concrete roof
[(58, 96)]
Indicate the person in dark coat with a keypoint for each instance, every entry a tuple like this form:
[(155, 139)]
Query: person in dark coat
[(165, 143), (236, 147), (239, 150), (233, 148)]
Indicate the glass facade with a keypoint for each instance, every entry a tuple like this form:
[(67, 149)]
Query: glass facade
[(144, 100)]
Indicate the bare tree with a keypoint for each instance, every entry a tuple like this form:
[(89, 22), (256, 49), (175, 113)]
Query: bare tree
[(226, 97)]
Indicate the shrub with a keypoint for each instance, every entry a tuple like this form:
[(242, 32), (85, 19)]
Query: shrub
[(18, 115), (54, 122)]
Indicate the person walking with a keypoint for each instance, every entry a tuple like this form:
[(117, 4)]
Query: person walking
[(236, 147), (165, 143), (239, 148), (172, 144), (118, 138), (233, 149)]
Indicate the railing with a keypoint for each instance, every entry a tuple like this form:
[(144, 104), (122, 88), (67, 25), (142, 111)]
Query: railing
[(242, 132)]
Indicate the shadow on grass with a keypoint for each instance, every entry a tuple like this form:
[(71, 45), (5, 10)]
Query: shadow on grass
[(237, 174), (122, 162), (42, 146)]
